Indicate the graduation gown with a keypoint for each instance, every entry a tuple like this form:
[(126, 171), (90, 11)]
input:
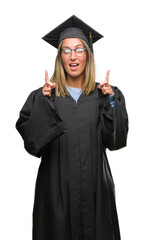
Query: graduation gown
[(75, 192)]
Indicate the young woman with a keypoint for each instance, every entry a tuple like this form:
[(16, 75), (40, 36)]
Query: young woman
[(69, 123)]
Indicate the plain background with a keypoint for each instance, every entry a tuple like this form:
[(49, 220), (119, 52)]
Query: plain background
[(24, 56)]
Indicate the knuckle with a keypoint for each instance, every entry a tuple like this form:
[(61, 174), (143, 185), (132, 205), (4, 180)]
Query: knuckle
[(47, 89)]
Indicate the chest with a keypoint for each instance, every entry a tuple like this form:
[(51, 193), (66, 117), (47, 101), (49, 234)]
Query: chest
[(84, 112)]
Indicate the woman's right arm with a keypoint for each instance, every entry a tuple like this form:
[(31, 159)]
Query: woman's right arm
[(39, 123)]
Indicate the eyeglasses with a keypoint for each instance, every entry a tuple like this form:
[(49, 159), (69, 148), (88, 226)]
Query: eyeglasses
[(78, 51)]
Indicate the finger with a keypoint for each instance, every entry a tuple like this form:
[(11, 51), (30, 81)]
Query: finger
[(104, 88), (47, 81), (105, 82), (47, 94), (107, 76), (102, 84), (49, 86), (46, 77), (47, 89), (105, 92)]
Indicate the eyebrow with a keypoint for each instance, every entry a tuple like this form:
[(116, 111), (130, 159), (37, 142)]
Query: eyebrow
[(79, 45)]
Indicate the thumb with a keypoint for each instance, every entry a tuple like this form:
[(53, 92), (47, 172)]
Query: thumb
[(53, 85)]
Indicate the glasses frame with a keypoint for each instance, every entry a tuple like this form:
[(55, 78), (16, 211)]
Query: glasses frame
[(75, 50)]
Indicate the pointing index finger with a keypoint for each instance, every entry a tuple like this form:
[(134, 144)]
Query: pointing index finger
[(105, 82), (47, 81), (107, 76), (46, 77)]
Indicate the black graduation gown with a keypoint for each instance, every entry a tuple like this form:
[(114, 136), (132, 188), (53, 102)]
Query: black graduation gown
[(75, 193)]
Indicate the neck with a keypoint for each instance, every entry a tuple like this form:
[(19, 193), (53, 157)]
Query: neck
[(75, 82)]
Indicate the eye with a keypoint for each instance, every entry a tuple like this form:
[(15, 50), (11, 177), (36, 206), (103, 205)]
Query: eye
[(67, 50), (79, 50)]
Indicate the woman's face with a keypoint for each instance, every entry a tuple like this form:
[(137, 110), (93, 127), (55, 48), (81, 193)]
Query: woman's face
[(74, 65)]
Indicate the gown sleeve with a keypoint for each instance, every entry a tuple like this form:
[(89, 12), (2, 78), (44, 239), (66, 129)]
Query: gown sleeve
[(114, 121), (39, 123)]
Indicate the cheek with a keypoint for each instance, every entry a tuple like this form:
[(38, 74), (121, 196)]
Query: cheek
[(66, 67), (84, 62), (64, 61)]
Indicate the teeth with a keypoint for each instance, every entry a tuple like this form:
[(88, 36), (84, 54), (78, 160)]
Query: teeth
[(73, 64)]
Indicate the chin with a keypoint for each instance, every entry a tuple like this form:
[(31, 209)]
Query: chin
[(74, 74)]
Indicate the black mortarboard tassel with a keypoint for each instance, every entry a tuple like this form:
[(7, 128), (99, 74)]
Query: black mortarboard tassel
[(73, 27)]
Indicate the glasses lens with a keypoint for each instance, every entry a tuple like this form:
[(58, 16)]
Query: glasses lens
[(79, 51), (67, 50)]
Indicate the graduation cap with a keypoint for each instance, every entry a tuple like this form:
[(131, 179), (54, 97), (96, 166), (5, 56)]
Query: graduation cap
[(73, 27)]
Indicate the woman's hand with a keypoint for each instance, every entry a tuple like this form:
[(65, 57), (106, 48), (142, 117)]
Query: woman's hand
[(105, 86), (48, 85)]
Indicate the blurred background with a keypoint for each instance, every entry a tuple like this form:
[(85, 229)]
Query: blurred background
[(24, 56)]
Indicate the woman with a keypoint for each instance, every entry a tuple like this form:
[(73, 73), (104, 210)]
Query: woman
[(69, 123)]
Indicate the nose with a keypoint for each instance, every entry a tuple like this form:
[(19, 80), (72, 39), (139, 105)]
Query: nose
[(73, 55)]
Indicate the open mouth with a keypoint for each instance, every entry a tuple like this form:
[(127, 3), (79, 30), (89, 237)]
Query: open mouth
[(74, 66)]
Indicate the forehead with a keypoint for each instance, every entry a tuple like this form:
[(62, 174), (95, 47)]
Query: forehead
[(72, 42)]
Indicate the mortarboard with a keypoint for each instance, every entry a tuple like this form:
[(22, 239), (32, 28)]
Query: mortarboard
[(73, 27)]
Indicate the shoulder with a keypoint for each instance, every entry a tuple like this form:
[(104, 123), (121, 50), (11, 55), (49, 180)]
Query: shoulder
[(33, 94), (37, 92)]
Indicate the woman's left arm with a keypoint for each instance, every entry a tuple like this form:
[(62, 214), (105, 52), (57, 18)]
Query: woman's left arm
[(114, 120)]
